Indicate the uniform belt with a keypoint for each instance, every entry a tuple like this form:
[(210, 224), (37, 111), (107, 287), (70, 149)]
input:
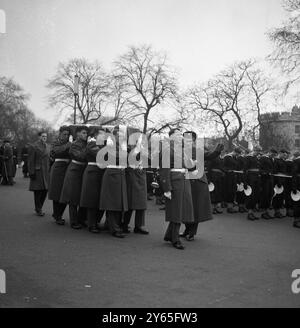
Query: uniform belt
[(76, 162), (254, 170), (61, 160), (116, 167), (281, 175), (178, 170), (92, 163), (217, 170)]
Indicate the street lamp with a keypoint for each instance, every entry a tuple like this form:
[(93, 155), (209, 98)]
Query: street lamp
[(76, 90)]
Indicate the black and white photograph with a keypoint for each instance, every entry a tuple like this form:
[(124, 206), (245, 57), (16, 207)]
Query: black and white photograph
[(149, 157)]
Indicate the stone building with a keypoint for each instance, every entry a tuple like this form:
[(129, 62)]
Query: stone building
[(281, 130)]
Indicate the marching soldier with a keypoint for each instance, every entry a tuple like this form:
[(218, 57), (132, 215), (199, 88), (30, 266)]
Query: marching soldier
[(7, 164), (295, 189), (92, 180), (200, 193), (216, 176), (136, 190), (24, 156), (177, 190), (71, 189), (266, 163), (230, 183), (280, 173), (38, 168), (113, 197), (60, 155), (252, 179)]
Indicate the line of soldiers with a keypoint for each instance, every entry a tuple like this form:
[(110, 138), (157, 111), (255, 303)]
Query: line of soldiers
[(76, 180), (256, 182)]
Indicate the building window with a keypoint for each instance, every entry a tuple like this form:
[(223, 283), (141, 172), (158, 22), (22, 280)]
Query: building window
[(297, 129), (297, 143)]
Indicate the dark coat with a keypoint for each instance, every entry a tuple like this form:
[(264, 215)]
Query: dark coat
[(180, 208), (92, 179), (200, 193), (58, 169), (113, 196), (71, 189), (136, 188), (38, 166), (8, 167)]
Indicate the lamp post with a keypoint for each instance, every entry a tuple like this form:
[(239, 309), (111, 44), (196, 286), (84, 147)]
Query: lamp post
[(76, 90)]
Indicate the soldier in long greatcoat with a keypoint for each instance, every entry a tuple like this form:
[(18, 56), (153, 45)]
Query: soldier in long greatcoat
[(71, 189), (92, 180), (136, 181), (200, 193), (176, 188), (113, 197), (38, 168), (60, 155)]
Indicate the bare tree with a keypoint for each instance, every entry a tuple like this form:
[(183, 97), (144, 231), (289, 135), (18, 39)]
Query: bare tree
[(223, 99), (94, 89), (286, 40), (148, 79), (260, 89)]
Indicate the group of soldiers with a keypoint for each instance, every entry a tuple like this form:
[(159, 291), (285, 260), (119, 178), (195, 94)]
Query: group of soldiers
[(70, 174), (263, 184), (73, 177)]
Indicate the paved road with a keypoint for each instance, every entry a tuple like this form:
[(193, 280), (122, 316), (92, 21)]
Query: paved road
[(233, 262)]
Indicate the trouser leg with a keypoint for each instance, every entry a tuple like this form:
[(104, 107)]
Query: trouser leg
[(73, 213), (92, 216), (172, 232), (36, 200), (127, 217), (42, 197), (192, 228), (82, 215), (58, 209), (139, 218), (114, 221)]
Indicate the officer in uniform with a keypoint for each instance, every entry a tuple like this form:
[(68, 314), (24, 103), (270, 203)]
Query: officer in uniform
[(176, 188), (38, 168), (136, 185), (252, 179), (24, 156), (113, 197), (280, 171), (230, 183), (7, 164), (71, 189), (60, 155), (92, 180), (295, 185), (266, 163), (200, 192)]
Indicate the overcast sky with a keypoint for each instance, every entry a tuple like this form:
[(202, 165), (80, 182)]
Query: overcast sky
[(200, 36)]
